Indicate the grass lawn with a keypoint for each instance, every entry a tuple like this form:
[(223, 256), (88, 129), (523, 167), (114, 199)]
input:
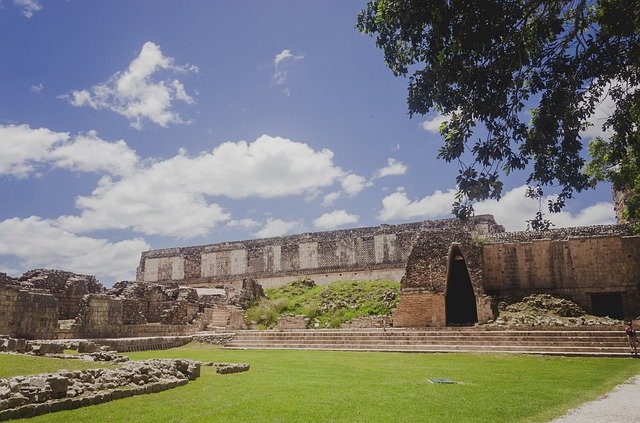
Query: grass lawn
[(289, 386), (14, 365)]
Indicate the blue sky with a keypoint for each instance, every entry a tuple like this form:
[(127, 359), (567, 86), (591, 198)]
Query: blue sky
[(127, 126)]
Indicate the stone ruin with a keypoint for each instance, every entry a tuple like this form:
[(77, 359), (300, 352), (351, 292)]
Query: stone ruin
[(49, 304), (29, 396)]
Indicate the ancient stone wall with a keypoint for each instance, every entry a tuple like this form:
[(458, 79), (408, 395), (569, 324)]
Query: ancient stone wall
[(423, 288), (103, 316), (575, 268), (68, 288), (27, 315), (354, 253)]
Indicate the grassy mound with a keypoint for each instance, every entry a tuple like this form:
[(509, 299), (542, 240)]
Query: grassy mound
[(546, 310), (325, 306)]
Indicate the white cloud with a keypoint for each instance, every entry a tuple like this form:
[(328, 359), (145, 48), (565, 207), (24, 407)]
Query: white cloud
[(243, 223), (280, 63), (37, 89), (88, 153), (23, 147), (393, 167), (511, 211), (330, 198), (135, 94), (353, 184), (514, 209), (335, 219), (169, 197), (397, 206), (433, 125), (278, 227), (38, 242), (28, 7)]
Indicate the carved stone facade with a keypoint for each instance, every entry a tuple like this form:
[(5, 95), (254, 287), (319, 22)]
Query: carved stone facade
[(363, 253)]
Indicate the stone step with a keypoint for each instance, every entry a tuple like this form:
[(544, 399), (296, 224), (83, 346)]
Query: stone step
[(580, 342), (445, 349)]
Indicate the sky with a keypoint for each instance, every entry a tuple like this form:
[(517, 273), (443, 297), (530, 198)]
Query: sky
[(134, 125)]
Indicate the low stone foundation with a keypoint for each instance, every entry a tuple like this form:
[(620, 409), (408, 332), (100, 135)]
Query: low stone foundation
[(29, 396), (368, 322)]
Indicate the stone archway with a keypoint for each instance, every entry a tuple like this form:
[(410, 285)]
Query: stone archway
[(460, 300)]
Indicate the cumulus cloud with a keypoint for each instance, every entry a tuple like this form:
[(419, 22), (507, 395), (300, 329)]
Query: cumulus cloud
[(335, 219), (279, 227), (280, 64), (137, 94), (37, 242), (25, 148), (398, 206), (353, 184), (330, 198), (393, 167), (169, 197), (433, 125), (88, 153), (28, 7), (512, 210)]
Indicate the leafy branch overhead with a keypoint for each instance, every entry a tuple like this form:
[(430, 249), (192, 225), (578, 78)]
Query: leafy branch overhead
[(519, 82)]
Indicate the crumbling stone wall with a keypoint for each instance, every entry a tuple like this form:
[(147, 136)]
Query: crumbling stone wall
[(574, 268), (155, 299), (574, 263), (68, 288), (363, 253), (423, 288), (28, 315)]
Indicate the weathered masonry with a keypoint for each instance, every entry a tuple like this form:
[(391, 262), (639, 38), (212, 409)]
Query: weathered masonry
[(452, 278), (363, 253)]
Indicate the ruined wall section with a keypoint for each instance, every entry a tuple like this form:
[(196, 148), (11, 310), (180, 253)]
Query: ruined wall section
[(28, 315), (423, 288), (103, 316), (68, 288), (355, 253), (573, 268)]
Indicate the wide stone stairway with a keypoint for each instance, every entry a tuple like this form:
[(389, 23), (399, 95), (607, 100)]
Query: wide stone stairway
[(585, 342)]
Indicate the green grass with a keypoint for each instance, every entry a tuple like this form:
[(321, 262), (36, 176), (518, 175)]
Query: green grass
[(314, 386), (326, 306), (14, 365)]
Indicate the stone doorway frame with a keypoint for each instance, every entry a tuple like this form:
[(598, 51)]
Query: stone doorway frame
[(455, 254)]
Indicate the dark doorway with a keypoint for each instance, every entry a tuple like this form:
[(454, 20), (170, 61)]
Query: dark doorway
[(460, 301), (607, 304)]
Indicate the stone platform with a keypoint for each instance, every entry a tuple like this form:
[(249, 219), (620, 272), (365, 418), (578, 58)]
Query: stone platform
[(576, 342)]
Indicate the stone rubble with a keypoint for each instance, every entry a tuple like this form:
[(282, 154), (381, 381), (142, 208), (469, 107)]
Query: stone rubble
[(545, 310), (28, 396)]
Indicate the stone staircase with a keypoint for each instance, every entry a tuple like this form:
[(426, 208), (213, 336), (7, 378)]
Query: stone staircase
[(596, 342)]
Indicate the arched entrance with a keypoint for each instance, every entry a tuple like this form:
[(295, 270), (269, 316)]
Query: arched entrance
[(460, 300)]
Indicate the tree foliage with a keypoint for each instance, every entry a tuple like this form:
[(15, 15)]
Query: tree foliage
[(519, 81)]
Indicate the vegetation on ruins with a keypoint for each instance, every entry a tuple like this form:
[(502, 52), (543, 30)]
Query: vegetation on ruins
[(304, 386), (518, 83), (325, 306)]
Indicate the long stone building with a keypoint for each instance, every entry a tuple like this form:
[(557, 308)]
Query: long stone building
[(365, 253), (450, 273)]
